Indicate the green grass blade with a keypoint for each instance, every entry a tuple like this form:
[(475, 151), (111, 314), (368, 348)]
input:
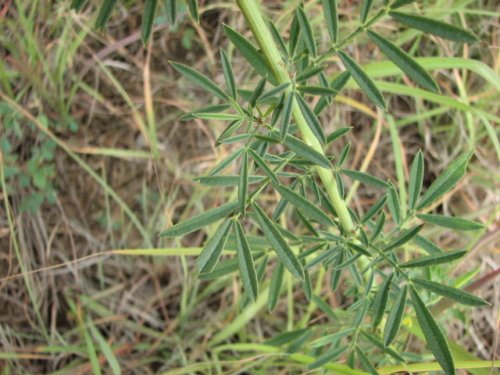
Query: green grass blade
[(105, 348)]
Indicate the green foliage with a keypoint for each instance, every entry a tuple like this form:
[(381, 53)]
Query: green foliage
[(283, 150)]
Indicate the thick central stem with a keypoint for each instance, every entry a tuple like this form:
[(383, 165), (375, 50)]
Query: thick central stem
[(253, 15)]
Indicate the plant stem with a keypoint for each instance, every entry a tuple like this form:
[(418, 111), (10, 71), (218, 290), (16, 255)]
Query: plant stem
[(253, 15)]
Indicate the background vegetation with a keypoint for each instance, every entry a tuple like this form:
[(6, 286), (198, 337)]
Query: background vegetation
[(94, 158)]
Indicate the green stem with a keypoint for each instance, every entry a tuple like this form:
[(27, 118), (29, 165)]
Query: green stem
[(253, 15)]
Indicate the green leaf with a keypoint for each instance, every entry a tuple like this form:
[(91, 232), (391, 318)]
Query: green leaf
[(332, 18), (336, 272), (294, 36), (275, 286), (230, 129), (193, 9), (199, 221), (311, 71), (366, 362), (404, 237), (200, 80), (243, 185), (263, 165), (307, 286), (375, 209), (363, 81), (337, 134), (332, 338), (148, 17), (450, 292), (250, 53), (171, 11), (232, 180), (337, 85), (416, 179), (286, 115), (395, 316), (77, 5), (274, 92), (438, 28), (307, 152), (446, 181), (306, 29), (379, 226), (393, 203), (216, 108), (258, 91), (245, 263), (365, 178), (212, 250), (405, 62), (427, 245), (304, 205), (278, 243), (380, 301), (433, 334), (358, 249), (218, 116), (379, 344), (104, 13), (365, 9), (228, 74), (311, 120), (226, 162), (278, 39), (451, 222), (344, 153), (401, 3), (317, 90), (432, 260), (326, 357)]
